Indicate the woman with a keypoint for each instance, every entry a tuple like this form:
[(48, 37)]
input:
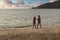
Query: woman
[(34, 22)]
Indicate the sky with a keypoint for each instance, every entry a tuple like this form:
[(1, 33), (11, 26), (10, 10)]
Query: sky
[(28, 3)]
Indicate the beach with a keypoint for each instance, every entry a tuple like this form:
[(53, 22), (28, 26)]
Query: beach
[(28, 33), (16, 24)]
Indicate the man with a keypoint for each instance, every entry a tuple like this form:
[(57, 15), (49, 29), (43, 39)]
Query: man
[(39, 21)]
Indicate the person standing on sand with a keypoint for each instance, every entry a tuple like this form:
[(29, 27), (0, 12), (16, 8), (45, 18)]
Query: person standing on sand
[(34, 22), (39, 21)]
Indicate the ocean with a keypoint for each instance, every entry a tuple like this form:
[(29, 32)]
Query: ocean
[(10, 18)]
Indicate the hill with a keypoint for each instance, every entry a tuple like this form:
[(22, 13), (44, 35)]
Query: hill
[(54, 5)]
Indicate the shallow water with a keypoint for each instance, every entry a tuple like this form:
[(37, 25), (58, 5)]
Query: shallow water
[(23, 17)]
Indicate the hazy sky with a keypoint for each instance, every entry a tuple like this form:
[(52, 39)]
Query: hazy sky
[(22, 3), (27, 1)]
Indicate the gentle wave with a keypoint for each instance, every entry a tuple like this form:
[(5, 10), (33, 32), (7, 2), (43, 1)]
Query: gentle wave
[(20, 18)]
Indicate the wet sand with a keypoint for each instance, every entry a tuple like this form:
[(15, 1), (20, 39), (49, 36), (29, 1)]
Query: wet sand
[(28, 33)]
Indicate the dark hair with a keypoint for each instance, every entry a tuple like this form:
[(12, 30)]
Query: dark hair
[(38, 15)]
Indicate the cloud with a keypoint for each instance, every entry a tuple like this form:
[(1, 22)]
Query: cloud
[(8, 1), (19, 4), (52, 0)]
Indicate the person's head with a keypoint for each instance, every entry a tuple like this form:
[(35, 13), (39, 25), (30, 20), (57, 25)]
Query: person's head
[(38, 15), (34, 17)]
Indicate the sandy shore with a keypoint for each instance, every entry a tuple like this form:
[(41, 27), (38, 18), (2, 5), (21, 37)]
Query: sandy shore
[(28, 33)]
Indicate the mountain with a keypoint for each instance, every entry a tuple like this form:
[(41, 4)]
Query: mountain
[(54, 5)]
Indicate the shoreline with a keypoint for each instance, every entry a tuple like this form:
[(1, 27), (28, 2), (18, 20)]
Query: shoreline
[(28, 33)]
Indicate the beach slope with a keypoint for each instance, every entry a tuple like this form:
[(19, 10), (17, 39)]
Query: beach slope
[(28, 33)]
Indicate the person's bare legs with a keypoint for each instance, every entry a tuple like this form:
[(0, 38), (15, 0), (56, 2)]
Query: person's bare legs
[(34, 25), (40, 25), (37, 26)]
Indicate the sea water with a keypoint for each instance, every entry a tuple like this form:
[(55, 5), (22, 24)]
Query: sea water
[(24, 17)]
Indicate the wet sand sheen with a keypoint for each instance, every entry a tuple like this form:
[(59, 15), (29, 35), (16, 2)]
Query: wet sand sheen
[(28, 33)]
